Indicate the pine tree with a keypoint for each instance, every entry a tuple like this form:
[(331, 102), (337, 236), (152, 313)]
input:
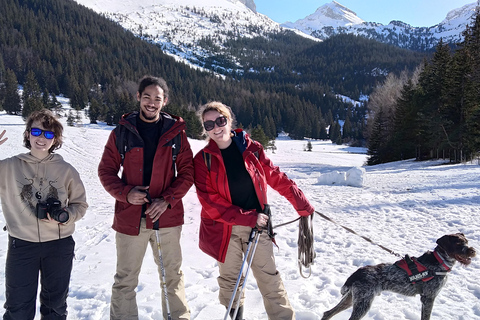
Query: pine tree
[(405, 124), (55, 105), (471, 104), (11, 102), (347, 129), (437, 127), (32, 100), (335, 133), (94, 111), (46, 98), (2, 69), (377, 145), (309, 146), (259, 135)]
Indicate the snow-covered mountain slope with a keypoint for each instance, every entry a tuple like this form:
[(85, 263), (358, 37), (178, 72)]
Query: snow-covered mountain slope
[(197, 31), (192, 30), (333, 18)]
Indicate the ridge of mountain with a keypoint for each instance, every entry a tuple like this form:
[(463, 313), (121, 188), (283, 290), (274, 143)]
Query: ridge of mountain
[(194, 31), (189, 30), (333, 18)]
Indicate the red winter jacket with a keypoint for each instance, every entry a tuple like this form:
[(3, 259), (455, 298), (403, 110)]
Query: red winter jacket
[(163, 182), (218, 213)]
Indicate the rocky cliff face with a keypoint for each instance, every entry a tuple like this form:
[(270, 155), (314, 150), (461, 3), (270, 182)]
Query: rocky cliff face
[(250, 4)]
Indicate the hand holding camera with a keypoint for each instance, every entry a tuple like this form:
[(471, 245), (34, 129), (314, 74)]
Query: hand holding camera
[(54, 208)]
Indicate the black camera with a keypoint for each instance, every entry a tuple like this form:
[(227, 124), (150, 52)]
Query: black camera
[(54, 208)]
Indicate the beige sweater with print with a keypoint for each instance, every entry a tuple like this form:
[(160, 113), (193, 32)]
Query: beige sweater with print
[(25, 181)]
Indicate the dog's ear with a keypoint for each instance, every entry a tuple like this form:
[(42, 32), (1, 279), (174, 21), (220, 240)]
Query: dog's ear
[(462, 236), (448, 242), (443, 240)]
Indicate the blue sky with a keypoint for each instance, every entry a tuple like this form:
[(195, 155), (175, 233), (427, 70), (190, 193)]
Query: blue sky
[(418, 13)]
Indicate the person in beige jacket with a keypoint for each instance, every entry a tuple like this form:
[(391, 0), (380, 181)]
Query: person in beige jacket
[(42, 197)]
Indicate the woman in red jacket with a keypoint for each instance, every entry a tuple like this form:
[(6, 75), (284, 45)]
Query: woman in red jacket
[(231, 177)]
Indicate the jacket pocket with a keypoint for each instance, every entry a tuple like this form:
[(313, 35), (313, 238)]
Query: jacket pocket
[(211, 237)]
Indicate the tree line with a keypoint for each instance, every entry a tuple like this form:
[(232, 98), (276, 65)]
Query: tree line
[(433, 113), (58, 47)]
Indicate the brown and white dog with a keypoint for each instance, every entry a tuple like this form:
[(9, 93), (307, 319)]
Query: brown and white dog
[(427, 278)]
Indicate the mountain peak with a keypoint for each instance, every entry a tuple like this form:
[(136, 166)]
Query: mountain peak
[(336, 11), (467, 10), (331, 14)]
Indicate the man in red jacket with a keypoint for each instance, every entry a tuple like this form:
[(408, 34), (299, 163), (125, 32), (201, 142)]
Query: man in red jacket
[(148, 197)]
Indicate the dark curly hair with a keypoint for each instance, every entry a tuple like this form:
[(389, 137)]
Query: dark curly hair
[(157, 81), (49, 122)]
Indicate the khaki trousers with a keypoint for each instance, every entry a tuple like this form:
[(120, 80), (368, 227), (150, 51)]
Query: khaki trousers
[(263, 267), (130, 253)]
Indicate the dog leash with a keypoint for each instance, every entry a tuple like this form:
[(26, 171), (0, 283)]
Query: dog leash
[(306, 252), (363, 237)]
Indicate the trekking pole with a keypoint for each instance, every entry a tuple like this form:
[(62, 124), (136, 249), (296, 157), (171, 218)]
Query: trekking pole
[(162, 268), (252, 239)]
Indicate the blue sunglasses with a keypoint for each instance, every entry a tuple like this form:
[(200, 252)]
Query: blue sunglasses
[(36, 132)]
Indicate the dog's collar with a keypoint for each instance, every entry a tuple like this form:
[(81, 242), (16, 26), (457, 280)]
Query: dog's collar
[(442, 263)]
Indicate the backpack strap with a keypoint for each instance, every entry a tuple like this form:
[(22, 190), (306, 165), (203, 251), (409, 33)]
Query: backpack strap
[(121, 143), (176, 145), (207, 157)]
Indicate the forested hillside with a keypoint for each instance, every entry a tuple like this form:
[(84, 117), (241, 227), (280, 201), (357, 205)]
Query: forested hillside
[(436, 114), (59, 47)]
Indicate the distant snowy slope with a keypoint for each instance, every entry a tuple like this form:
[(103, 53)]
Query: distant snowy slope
[(334, 18), (197, 31), (189, 29), (128, 6)]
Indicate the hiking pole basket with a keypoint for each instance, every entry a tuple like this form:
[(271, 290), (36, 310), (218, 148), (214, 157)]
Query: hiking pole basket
[(252, 239), (162, 269)]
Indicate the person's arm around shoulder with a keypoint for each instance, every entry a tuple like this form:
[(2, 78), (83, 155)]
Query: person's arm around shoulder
[(108, 169)]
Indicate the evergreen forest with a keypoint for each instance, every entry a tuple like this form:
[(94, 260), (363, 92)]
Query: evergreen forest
[(436, 112), (58, 47)]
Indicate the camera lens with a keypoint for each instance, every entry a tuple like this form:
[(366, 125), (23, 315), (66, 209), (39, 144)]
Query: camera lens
[(60, 215)]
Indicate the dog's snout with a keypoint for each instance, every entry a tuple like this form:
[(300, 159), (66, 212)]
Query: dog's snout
[(471, 251)]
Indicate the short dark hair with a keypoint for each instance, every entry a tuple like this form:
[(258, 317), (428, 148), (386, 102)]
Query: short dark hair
[(158, 81), (49, 122)]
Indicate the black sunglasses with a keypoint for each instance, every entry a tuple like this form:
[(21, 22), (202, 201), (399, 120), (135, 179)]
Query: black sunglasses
[(210, 124), (36, 132)]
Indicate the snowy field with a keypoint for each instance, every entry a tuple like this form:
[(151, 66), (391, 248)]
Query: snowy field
[(404, 206)]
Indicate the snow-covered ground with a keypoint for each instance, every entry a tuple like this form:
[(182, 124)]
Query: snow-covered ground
[(404, 206)]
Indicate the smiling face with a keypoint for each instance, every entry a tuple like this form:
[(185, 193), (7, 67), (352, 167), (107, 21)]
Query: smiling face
[(40, 145), (152, 100), (221, 135)]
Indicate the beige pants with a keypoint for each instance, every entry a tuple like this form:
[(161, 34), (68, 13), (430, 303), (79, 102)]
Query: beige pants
[(264, 270), (130, 253)]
